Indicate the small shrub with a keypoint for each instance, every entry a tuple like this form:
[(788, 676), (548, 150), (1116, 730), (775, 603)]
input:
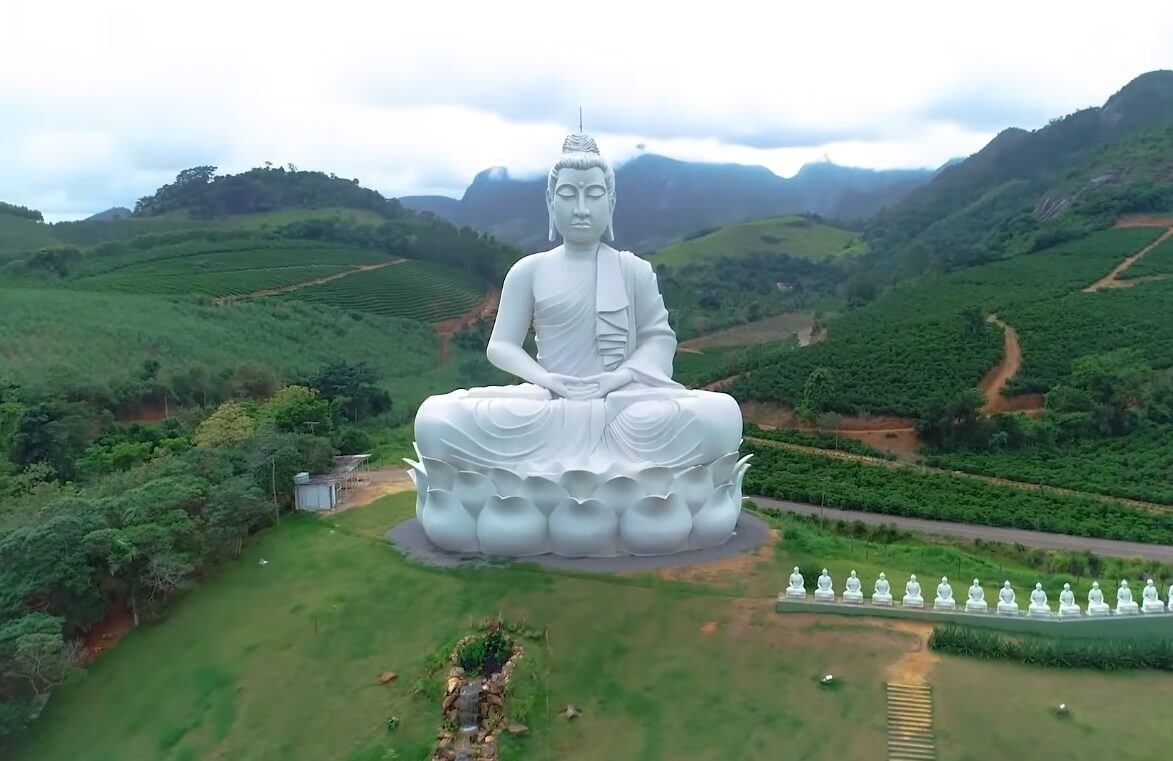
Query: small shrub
[(1102, 654)]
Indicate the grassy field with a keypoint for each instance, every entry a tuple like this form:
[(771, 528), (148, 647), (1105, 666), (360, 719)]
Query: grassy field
[(279, 661), (776, 328), (792, 235)]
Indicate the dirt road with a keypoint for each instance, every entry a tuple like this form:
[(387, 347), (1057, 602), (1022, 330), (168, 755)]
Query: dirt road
[(1002, 373), (1040, 539), (298, 286), (1113, 279)]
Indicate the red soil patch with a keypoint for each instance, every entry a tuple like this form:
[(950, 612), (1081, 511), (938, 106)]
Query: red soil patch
[(152, 412), (892, 434), (483, 311), (709, 627), (1113, 279), (104, 635)]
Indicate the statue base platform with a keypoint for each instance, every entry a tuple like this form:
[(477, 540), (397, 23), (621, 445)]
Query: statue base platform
[(1154, 607), (1039, 612), (973, 606), (824, 596), (1102, 610), (750, 533), (634, 510), (1131, 609), (1007, 610), (1070, 611), (853, 598), (944, 605), (885, 600), (913, 602), (795, 594)]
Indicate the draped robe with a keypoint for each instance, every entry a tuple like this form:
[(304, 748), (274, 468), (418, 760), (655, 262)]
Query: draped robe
[(614, 320)]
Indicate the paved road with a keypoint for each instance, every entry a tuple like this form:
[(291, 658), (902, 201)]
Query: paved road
[(1038, 539)]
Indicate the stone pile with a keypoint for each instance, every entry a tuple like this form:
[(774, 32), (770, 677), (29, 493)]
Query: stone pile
[(457, 743)]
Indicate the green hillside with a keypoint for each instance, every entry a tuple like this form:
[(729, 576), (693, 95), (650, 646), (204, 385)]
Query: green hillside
[(1159, 261), (61, 339), (794, 236), (927, 341), (1029, 190)]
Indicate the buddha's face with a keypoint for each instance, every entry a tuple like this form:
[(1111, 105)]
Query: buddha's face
[(582, 211)]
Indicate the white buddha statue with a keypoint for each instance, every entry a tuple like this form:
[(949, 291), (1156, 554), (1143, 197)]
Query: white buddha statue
[(1006, 604), (1170, 598), (1067, 604), (1151, 599), (852, 591), (824, 591), (882, 591), (648, 466), (1038, 603), (797, 587), (1125, 606), (944, 600), (976, 603), (912, 596), (1095, 601)]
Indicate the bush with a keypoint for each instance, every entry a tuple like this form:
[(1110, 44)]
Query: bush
[(486, 655), (1102, 654)]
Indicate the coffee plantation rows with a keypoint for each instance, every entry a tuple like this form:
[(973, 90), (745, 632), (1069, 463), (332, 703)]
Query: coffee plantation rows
[(224, 255), (416, 290), (1136, 466), (215, 284), (927, 340), (786, 474)]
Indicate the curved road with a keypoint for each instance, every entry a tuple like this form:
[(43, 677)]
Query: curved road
[(1040, 539)]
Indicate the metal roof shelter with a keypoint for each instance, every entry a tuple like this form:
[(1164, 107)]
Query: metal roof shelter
[(327, 491)]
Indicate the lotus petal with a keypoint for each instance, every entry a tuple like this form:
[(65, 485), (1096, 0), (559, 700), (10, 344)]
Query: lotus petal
[(619, 493), (714, 524), (472, 489), (584, 529), (414, 464), (447, 524), (656, 480), (722, 467), (508, 483), (739, 476), (511, 527), (544, 493), (441, 475), (420, 480), (579, 484), (655, 525), (694, 486)]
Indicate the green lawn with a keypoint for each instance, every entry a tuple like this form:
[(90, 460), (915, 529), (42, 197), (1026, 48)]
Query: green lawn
[(279, 661), (796, 236)]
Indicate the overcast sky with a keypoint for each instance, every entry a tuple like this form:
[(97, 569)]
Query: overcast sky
[(102, 102)]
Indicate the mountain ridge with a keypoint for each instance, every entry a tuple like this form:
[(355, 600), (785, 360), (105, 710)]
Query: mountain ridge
[(663, 199)]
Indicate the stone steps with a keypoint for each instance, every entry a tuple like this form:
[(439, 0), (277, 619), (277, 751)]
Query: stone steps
[(910, 723)]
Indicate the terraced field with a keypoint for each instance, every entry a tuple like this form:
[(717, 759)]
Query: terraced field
[(222, 256), (218, 284), (1159, 261), (416, 290)]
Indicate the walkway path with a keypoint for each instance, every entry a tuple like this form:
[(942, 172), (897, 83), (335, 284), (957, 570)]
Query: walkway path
[(1040, 539), (910, 722)]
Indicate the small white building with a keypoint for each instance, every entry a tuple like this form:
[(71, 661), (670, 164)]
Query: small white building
[(327, 491)]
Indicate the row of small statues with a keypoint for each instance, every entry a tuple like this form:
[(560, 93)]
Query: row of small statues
[(976, 603)]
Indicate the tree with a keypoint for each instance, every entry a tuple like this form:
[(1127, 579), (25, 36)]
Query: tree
[(228, 426), (33, 649), (1106, 389), (354, 386), (295, 409), (816, 394)]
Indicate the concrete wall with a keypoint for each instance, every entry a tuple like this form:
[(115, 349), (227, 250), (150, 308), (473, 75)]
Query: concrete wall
[(1140, 626)]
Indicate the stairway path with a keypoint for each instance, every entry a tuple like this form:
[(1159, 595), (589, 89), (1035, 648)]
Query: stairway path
[(910, 722)]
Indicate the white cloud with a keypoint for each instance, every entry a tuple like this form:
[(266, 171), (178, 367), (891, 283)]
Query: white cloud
[(100, 102)]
